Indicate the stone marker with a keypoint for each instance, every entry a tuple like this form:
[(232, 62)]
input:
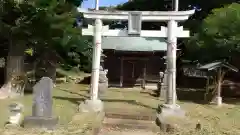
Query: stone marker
[(15, 116), (42, 106), (103, 81), (163, 90)]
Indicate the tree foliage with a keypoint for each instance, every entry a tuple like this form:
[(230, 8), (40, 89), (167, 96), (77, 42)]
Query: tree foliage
[(44, 25), (204, 30), (203, 9), (219, 37)]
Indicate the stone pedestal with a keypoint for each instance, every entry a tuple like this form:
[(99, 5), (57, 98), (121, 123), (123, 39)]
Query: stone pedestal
[(169, 116), (91, 106), (163, 90), (103, 81), (40, 122), (15, 116), (218, 101), (102, 87)]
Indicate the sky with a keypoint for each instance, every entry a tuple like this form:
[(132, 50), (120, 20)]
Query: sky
[(91, 3)]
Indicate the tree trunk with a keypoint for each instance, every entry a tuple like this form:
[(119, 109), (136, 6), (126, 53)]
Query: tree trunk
[(219, 83), (221, 75), (207, 90), (46, 66), (15, 77)]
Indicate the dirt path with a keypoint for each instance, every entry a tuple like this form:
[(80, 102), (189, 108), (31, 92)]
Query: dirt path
[(126, 132)]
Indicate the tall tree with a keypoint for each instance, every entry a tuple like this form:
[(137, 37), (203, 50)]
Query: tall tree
[(16, 19), (219, 36), (43, 25)]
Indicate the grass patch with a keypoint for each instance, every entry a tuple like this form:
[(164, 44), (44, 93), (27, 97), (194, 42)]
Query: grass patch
[(62, 73), (131, 101), (214, 120), (66, 98)]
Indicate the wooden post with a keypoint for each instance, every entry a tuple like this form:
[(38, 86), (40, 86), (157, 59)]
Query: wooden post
[(219, 83), (207, 89), (144, 76), (121, 72), (133, 69)]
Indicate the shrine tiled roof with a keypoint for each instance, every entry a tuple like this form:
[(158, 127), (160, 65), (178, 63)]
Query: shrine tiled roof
[(134, 44), (218, 64)]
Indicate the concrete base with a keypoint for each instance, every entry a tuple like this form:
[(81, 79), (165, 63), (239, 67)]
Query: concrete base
[(151, 86), (91, 106), (10, 125), (40, 122), (168, 115), (218, 101)]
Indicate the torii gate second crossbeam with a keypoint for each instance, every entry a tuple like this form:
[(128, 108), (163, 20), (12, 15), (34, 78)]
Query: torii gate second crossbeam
[(180, 33)]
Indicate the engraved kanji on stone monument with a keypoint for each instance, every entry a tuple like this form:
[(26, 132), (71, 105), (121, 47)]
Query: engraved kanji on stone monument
[(42, 102), (42, 106)]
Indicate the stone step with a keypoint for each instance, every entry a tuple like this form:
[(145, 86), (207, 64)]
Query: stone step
[(117, 123), (141, 116), (128, 132)]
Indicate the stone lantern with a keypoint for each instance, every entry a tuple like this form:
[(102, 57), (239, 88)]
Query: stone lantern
[(15, 115)]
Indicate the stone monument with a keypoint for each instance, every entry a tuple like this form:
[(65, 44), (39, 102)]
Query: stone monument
[(42, 106)]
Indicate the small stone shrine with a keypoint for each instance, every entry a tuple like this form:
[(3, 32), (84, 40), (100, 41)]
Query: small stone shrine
[(15, 115), (42, 106)]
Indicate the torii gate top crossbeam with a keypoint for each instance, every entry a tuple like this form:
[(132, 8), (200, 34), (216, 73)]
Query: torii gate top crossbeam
[(146, 15)]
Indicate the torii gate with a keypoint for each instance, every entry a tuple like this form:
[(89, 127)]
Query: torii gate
[(135, 18)]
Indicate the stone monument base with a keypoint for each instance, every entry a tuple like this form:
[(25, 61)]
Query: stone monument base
[(40, 122), (169, 116), (217, 101), (91, 106), (10, 125)]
